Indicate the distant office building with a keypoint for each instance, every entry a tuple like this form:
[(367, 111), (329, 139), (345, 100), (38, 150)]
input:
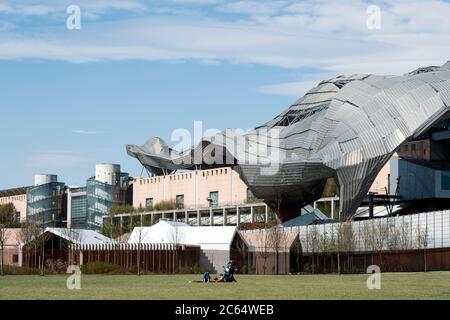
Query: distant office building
[(46, 201), (77, 208), (423, 166), (109, 187)]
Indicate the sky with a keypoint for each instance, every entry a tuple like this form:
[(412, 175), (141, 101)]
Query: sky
[(72, 98)]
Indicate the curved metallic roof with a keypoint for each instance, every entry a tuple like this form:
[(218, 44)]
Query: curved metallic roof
[(346, 128)]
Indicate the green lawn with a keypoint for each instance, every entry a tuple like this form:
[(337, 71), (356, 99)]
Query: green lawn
[(432, 285)]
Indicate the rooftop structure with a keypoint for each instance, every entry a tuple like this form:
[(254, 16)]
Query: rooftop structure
[(346, 128)]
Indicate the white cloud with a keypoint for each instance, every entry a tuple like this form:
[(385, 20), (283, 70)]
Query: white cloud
[(253, 7), (36, 10), (88, 7), (195, 2), (329, 36)]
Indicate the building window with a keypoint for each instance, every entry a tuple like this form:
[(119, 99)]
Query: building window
[(180, 201), (214, 199), (413, 148), (149, 203), (445, 180), (17, 216), (15, 258)]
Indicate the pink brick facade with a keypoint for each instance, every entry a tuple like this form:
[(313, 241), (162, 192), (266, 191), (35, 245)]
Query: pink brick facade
[(195, 186)]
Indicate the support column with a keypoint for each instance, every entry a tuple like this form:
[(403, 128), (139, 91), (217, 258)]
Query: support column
[(175, 216), (211, 217), (199, 220), (267, 214), (224, 217), (186, 217), (252, 214), (20, 262), (238, 217), (332, 208), (315, 204), (142, 220), (121, 224)]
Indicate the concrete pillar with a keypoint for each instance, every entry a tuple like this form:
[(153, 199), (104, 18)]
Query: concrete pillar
[(121, 224), (152, 218), (315, 204), (199, 218), (238, 217), (224, 217), (267, 214), (81, 258), (252, 213), (186, 217), (142, 220), (20, 262), (211, 217), (163, 215), (332, 208), (174, 216)]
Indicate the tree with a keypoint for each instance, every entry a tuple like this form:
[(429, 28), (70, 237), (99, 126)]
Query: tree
[(262, 241), (26, 238), (139, 231), (7, 220), (176, 237), (4, 234), (277, 241)]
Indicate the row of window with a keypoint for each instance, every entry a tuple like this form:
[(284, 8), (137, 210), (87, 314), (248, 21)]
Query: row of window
[(184, 176), (213, 200), (13, 198), (406, 148)]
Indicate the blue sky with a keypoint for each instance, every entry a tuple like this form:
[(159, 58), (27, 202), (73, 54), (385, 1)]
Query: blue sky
[(136, 69)]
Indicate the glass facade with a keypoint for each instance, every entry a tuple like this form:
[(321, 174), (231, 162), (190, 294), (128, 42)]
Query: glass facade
[(45, 204), (101, 197), (445, 180), (79, 210)]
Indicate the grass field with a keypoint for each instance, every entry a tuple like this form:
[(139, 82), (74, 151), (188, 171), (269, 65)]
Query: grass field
[(432, 285)]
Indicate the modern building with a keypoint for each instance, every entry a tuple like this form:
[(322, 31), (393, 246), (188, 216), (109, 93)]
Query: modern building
[(46, 201), (77, 208), (17, 197), (346, 129), (109, 187), (422, 168)]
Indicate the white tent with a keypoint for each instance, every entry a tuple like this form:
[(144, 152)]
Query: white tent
[(215, 242)]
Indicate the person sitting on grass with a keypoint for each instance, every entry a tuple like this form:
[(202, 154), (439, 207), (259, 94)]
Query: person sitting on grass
[(206, 277)]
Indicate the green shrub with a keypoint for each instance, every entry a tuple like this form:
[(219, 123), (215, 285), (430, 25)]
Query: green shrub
[(100, 268), (20, 271)]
